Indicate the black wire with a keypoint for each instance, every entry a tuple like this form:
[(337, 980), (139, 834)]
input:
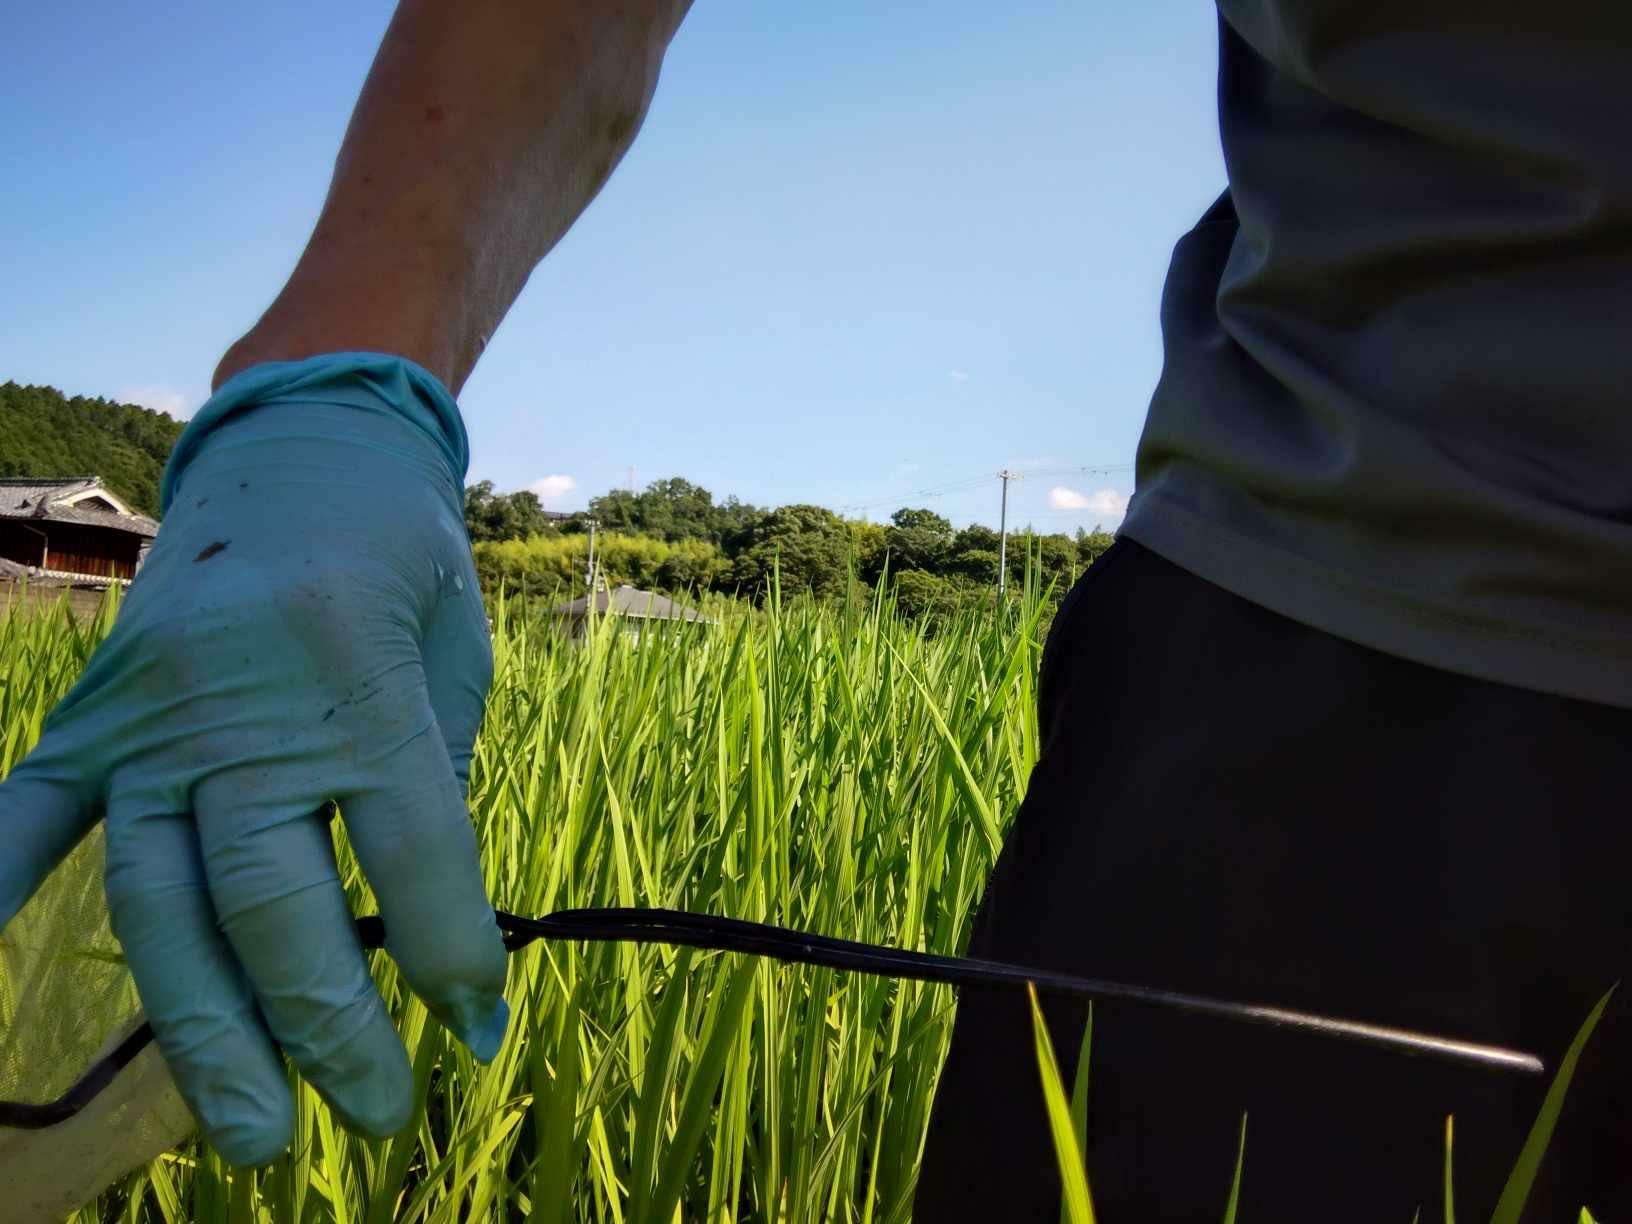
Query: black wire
[(705, 931)]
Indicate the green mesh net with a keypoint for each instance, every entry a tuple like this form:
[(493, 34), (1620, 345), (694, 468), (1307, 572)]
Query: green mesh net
[(67, 1002)]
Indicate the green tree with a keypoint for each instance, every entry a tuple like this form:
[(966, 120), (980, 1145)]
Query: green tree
[(504, 516), (973, 554), (616, 510), (919, 594), (735, 518), (46, 433), (690, 565), (1057, 559), (975, 538), (672, 509), (868, 547), (918, 539), (676, 509), (554, 567), (1091, 545), (977, 565), (808, 545)]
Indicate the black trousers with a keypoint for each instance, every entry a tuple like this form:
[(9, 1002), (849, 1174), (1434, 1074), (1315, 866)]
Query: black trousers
[(1233, 804)]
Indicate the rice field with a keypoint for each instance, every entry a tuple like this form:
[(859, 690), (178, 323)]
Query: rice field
[(830, 768)]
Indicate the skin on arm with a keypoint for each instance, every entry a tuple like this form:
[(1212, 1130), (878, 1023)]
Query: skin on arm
[(281, 651), (484, 129)]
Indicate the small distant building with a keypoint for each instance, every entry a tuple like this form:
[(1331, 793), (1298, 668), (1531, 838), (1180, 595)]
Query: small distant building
[(636, 607), (70, 528)]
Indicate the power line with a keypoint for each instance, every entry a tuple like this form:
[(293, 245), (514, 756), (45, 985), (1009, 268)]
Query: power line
[(954, 486), (972, 482), (1104, 469)]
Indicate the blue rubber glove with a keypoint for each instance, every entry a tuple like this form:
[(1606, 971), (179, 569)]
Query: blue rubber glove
[(307, 627)]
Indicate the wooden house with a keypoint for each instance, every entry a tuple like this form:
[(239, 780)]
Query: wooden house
[(71, 528)]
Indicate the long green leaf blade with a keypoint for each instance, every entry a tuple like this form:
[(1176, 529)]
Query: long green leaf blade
[(1074, 1178), (1511, 1205)]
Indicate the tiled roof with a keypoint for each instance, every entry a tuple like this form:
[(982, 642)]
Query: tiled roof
[(15, 571), (37, 498), (20, 494), (631, 602)]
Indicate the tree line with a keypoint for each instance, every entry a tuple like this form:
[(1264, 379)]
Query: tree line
[(673, 536), (46, 433)]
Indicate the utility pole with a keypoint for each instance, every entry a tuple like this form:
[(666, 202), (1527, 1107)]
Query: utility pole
[(1003, 532), (589, 577)]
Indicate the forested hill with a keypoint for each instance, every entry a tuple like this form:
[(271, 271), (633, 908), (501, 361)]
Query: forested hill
[(45, 433)]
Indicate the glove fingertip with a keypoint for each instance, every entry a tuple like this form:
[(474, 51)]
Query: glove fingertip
[(248, 1129), (379, 1103), (481, 1026)]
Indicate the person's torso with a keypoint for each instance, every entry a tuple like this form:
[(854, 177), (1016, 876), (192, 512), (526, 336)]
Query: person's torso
[(1399, 348)]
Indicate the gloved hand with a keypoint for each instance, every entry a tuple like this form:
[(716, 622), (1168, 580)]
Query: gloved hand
[(307, 627)]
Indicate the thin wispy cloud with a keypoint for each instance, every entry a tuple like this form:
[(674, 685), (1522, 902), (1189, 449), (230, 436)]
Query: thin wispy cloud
[(958, 376), (167, 400), (1109, 503), (549, 488)]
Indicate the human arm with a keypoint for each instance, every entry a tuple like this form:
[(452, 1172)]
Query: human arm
[(485, 128), (307, 627)]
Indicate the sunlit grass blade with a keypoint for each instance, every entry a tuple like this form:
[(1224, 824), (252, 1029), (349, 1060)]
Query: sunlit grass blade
[(1450, 1196), (657, 1081), (700, 1091), (1073, 1174), (554, 1100), (1510, 1206), (1233, 1203), (1079, 1094)]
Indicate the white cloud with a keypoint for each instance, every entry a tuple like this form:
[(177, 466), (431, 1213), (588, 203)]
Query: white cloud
[(167, 400), (1107, 502), (549, 488), (958, 375)]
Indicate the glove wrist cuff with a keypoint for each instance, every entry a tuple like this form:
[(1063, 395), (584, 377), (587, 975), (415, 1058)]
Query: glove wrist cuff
[(377, 381)]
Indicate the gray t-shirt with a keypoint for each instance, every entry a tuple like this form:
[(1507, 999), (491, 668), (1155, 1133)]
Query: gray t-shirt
[(1396, 403)]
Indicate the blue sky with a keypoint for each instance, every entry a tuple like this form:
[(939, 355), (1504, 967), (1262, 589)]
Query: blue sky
[(859, 250)]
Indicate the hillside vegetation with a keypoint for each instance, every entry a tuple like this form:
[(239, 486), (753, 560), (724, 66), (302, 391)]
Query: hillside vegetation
[(671, 536), (46, 433)]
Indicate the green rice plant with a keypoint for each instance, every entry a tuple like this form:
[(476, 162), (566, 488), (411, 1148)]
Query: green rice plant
[(1510, 1207), (1450, 1197), (1066, 1126), (809, 764), (1234, 1201), (1077, 1205), (830, 767)]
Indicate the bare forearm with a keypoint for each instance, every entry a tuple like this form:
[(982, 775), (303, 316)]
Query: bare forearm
[(484, 129)]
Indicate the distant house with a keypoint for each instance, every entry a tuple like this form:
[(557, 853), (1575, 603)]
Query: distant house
[(73, 528), (635, 606)]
